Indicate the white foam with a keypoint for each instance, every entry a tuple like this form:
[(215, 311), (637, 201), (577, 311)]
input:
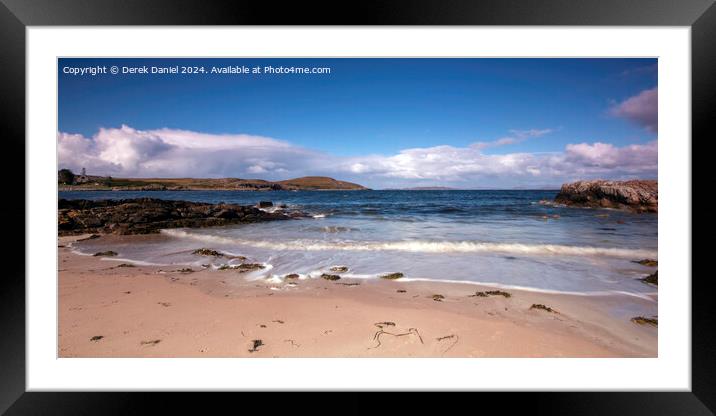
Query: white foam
[(421, 246), (645, 296)]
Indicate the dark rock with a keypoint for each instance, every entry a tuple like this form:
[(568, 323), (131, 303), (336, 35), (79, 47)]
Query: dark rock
[(264, 204), (108, 253), (648, 262), (636, 195), (149, 215), (291, 276), (438, 298), (339, 269)]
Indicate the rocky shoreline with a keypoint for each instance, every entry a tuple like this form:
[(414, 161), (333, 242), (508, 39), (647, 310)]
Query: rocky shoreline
[(635, 195), (149, 215)]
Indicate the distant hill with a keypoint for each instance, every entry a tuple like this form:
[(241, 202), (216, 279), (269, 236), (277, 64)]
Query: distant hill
[(71, 182), (319, 182)]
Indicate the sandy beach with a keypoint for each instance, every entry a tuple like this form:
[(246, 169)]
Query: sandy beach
[(109, 309)]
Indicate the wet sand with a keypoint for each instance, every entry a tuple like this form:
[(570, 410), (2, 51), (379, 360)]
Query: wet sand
[(150, 311)]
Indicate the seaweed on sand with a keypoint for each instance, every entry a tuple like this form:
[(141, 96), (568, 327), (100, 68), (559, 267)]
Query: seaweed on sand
[(255, 344), (491, 293), (376, 336), (498, 293), (451, 336), (542, 307), (641, 320)]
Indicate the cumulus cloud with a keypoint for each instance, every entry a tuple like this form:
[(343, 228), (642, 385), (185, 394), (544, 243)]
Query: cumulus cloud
[(165, 152), (469, 167), (129, 152), (642, 109)]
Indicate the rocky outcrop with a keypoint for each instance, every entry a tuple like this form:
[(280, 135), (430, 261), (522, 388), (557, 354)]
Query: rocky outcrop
[(636, 195), (149, 215)]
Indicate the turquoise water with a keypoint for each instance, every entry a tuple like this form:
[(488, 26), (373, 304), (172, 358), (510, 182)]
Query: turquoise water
[(505, 238)]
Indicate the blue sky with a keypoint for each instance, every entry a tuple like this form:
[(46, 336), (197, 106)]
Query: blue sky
[(367, 112)]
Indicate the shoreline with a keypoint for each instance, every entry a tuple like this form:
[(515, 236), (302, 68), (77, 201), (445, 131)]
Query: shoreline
[(148, 311)]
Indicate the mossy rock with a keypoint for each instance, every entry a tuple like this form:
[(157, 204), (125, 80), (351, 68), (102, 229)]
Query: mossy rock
[(207, 252), (330, 276), (652, 278), (392, 276), (648, 262), (243, 267), (108, 253), (339, 269)]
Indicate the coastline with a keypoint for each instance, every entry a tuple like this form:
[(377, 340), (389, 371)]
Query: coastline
[(153, 311)]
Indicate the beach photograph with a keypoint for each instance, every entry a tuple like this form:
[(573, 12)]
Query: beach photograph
[(357, 207)]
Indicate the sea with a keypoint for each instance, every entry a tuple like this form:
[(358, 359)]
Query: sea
[(503, 238)]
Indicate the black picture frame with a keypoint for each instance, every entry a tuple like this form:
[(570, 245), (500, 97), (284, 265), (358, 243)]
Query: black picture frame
[(16, 15)]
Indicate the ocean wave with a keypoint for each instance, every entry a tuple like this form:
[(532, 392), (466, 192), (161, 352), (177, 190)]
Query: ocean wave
[(420, 246), (332, 229)]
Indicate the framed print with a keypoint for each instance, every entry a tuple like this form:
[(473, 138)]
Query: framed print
[(239, 198)]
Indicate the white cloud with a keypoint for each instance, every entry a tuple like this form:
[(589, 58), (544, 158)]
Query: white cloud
[(642, 109), (516, 136), (129, 152)]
